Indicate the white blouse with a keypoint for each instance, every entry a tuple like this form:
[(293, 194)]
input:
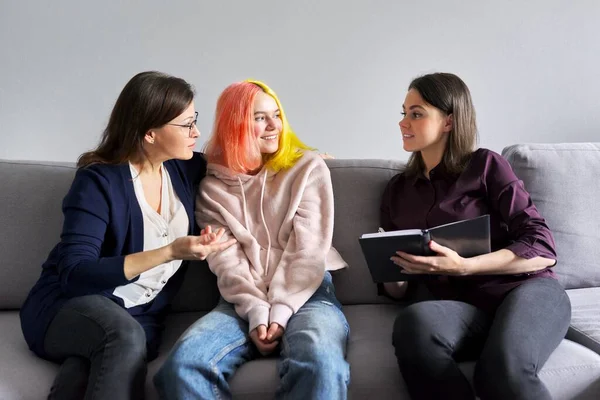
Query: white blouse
[(159, 230)]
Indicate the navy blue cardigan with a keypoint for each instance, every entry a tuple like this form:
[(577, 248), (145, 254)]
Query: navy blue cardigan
[(102, 224)]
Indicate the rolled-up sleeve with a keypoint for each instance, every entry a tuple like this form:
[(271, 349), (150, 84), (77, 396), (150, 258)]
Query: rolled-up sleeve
[(530, 235)]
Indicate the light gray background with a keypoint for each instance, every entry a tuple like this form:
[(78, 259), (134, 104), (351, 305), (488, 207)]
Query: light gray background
[(340, 67)]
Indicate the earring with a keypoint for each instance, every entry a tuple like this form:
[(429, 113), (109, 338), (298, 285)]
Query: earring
[(152, 141)]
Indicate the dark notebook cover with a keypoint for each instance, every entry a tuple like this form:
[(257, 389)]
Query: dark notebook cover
[(468, 238)]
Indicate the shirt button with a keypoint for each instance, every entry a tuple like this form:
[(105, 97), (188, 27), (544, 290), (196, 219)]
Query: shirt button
[(148, 295), (163, 282)]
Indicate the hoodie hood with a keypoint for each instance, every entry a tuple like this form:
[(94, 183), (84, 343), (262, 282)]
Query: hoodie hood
[(232, 178)]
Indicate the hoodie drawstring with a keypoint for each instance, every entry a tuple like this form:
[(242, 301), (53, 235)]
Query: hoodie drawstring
[(244, 203), (262, 215)]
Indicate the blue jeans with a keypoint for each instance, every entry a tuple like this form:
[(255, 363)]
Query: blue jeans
[(312, 364)]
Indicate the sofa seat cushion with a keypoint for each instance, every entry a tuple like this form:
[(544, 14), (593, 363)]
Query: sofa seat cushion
[(585, 317), (23, 375), (573, 371), (374, 371)]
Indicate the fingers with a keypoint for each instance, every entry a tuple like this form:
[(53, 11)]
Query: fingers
[(413, 268), (202, 249), (266, 348), (438, 248), (261, 332), (272, 330), (414, 259), (275, 332), (207, 236), (212, 248)]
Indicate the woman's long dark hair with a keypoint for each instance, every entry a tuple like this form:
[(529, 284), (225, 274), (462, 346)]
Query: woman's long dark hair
[(449, 94), (149, 100)]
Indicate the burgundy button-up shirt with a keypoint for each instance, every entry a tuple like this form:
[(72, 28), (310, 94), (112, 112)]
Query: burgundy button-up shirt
[(487, 186)]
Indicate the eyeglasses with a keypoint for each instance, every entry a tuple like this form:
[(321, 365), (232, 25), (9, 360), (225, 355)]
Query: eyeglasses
[(190, 126)]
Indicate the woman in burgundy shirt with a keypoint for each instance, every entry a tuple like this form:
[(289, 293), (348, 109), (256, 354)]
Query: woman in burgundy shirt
[(506, 309)]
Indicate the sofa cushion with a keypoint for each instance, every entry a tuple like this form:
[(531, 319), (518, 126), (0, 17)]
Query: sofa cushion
[(357, 188), (369, 349), (198, 291), (572, 371), (585, 317), (31, 216), (562, 180), (23, 376)]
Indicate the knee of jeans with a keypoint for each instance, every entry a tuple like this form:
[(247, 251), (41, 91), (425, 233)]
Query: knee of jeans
[(319, 351), (170, 371), (405, 328), (321, 361), (185, 356), (496, 370), (130, 337)]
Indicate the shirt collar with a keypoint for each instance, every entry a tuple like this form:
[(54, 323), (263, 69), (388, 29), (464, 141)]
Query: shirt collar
[(438, 172)]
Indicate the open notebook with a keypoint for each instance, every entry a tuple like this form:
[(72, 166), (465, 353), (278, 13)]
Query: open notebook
[(470, 237)]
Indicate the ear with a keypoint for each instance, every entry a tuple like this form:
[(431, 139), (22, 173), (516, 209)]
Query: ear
[(449, 123), (149, 137)]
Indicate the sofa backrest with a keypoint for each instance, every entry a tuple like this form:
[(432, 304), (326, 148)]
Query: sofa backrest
[(31, 221), (563, 182), (357, 187), (561, 179)]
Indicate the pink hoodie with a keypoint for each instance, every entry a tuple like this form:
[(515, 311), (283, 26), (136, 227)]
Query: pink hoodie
[(283, 223)]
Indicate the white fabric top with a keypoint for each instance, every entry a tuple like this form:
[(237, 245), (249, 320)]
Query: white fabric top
[(159, 230)]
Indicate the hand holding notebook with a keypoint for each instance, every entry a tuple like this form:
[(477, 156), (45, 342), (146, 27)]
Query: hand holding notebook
[(468, 238)]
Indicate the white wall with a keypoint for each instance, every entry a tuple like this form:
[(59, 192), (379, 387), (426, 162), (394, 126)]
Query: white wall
[(341, 68)]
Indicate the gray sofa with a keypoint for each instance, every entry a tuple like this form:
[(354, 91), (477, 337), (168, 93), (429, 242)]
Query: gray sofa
[(561, 178)]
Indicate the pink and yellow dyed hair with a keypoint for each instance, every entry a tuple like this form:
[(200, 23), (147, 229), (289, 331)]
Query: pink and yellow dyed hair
[(232, 143)]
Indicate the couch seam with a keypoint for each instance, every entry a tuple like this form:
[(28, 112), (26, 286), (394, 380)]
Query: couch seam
[(42, 164)]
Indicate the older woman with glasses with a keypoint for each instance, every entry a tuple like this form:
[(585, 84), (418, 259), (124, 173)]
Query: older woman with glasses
[(128, 223)]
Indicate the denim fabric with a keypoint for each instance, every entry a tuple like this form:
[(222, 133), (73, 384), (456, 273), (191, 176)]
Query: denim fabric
[(510, 346), (312, 350), (102, 350)]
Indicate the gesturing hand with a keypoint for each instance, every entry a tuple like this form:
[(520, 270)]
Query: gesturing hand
[(446, 262), (259, 338), (199, 247)]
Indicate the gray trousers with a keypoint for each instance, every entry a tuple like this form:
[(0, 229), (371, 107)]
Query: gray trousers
[(431, 337), (102, 348)]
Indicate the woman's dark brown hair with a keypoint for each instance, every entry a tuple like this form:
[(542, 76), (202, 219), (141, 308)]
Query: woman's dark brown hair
[(148, 101), (449, 94)]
